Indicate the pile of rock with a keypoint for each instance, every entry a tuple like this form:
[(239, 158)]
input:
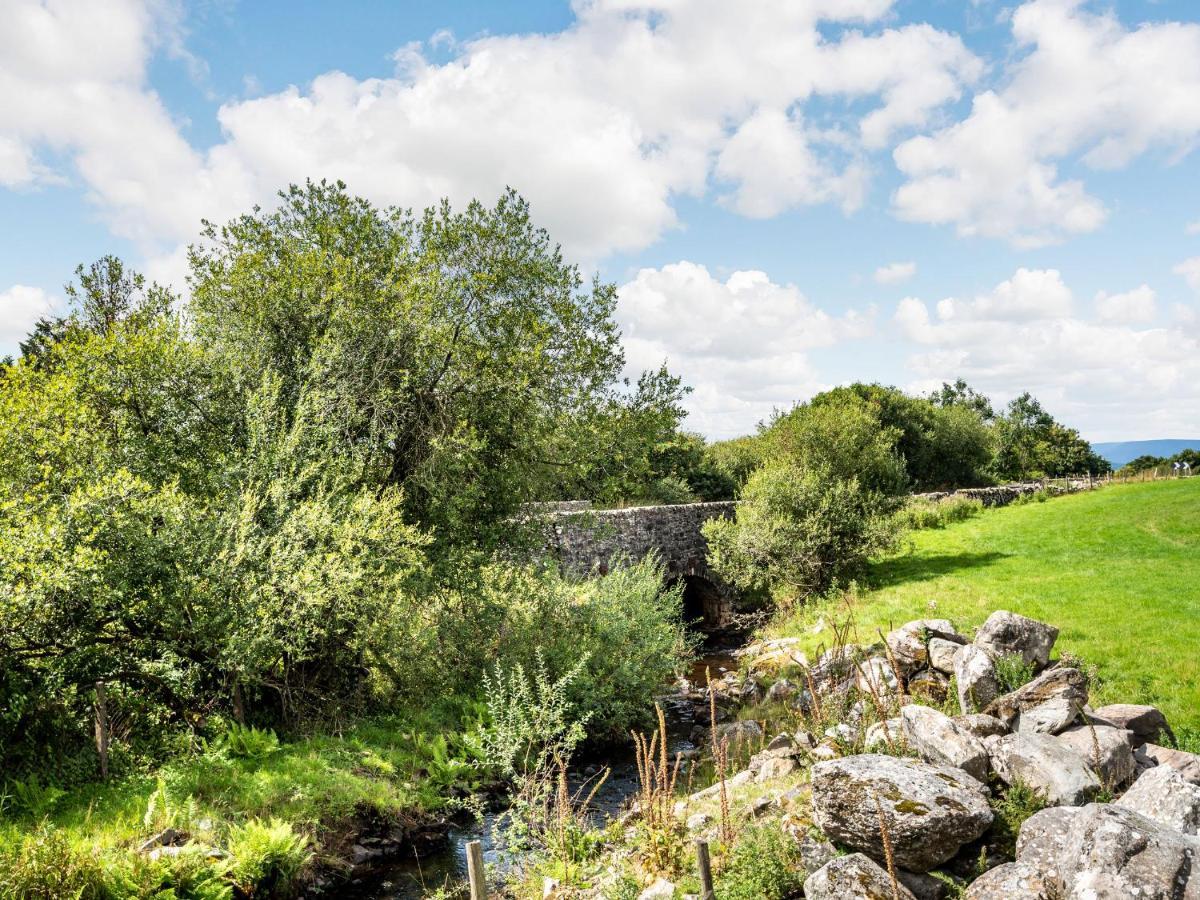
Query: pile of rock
[(933, 811)]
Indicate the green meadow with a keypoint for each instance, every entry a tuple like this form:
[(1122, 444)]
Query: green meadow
[(1116, 569)]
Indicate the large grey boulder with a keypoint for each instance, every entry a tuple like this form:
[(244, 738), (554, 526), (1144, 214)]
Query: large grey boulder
[(876, 676), (909, 644), (975, 674), (930, 810), (942, 653), (1164, 796), (1062, 776), (1049, 703), (1108, 750), (1147, 723), (1115, 852), (1186, 764), (1008, 633), (853, 877), (939, 739), (888, 733), (1012, 881)]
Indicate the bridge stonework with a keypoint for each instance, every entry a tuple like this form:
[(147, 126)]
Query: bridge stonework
[(587, 541)]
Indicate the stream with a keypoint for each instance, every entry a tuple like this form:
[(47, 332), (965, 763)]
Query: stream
[(416, 877)]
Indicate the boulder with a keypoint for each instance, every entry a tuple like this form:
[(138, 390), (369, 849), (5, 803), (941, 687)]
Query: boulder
[(1059, 774), (699, 821), (1049, 703), (853, 877), (1012, 881), (929, 686), (815, 853), (1108, 750), (660, 890), (743, 734), (975, 674), (942, 653), (1147, 723), (1186, 764), (909, 644), (776, 767), (923, 885), (877, 677), (930, 810), (1008, 633), (980, 724), (1043, 835), (1164, 796), (1115, 852), (780, 691), (938, 739)]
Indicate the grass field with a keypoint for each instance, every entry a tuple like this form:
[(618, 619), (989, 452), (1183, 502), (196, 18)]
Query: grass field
[(1117, 570)]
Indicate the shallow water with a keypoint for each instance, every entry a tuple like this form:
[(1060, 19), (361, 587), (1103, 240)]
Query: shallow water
[(417, 877)]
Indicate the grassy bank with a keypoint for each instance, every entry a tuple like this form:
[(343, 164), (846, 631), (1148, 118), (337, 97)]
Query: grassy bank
[(1117, 570)]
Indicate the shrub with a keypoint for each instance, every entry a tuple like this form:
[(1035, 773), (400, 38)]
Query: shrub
[(248, 742), (798, 530), (268, 857), (763, 865), (1016, 804), (188, 875)]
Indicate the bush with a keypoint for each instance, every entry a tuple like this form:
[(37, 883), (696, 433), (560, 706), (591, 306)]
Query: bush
[(1016, 804), (1012, 671), (188, 875), (268, 857), (798, 530)]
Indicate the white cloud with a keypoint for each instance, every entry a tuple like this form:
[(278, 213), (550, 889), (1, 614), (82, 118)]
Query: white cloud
[(1192, 227), (1112, 377), (602, 125), (1086, 85), (740, 343), (894, 273), (20, 307), (1136, 306), (1190, 270)]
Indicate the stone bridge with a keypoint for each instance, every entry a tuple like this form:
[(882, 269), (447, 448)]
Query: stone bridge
[(586, 540)]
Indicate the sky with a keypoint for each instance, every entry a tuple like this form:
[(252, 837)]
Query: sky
[(790, 194)]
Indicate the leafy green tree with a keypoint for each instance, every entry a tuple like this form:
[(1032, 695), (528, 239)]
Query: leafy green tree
[(1031, 444), (962, 394), (459, 358)]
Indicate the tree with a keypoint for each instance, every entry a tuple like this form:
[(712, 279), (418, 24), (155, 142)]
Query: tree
[(458, 357), (962, 394), (1031, 444)]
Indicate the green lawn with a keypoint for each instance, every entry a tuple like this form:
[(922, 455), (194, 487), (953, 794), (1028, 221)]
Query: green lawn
[(1117, 570)]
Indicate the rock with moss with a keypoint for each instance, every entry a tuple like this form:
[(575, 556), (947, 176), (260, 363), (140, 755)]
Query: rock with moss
[(909, 644), (1060, 775), (853, 877), (981, 725), (1164, 796), (1007, 633), (1043, 835), (942, 654), (929, 811), (1049, 703)]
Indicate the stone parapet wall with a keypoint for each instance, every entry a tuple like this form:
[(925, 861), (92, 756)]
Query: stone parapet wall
[(1004, 494)]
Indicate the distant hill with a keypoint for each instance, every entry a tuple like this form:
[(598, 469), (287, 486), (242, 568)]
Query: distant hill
[(1120, 452)]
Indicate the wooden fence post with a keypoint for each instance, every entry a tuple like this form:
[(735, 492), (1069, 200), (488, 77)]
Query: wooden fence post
[(706, 882), (475, 871), (102, 737)]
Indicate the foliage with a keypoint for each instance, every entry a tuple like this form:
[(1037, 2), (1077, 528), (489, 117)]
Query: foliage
[(268, 857), (798, 531), (1031, 444), (187, 875), (736, 458), (45, 866), (248, 742), (1012, 807), (29, 797), (1012, 671), (764, 864)]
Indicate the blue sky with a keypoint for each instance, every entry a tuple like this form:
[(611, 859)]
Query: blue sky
[(791, 193)]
